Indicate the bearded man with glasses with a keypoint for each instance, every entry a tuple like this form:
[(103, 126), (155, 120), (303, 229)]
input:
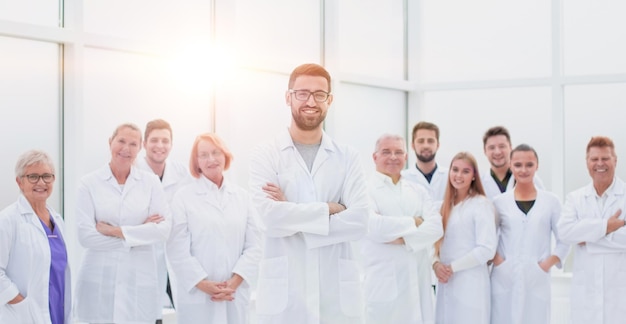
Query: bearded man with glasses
[(310, 194)]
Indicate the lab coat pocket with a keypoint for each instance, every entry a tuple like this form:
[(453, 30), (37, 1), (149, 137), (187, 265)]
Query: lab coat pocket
[(380, 283), (17, 313), (272, 286), (539, 282), (350, 298), (502, 278)]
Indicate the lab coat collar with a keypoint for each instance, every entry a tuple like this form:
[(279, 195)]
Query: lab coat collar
[(284, 141), (106, 174), (383, 180), (616, 188), (206, 185), (26, 210)]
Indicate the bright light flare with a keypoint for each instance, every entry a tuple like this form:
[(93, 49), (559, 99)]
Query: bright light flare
[(197, 68)]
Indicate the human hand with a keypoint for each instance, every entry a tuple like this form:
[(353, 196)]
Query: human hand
[(418, 220), (107, 229), (273, 192), (334, 208), (398, 241), (548, 262), (442, 271), (614, 223), (18, 299), (497, 260), (156, 218), (219, 291)]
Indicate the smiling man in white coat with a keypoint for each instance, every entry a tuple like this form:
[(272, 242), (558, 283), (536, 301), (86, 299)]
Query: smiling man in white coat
[(173, 175), (396, 258), (311, 198), (593, 220), (497, 147)]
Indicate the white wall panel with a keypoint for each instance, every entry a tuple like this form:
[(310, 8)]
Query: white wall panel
[(464, 116), (278, 35), (371, 38), (30, 116), (36, 12), (485, 39), (172, 22), (122, 87), (593, 33), (360, 115), (252, 111), (592, 110)]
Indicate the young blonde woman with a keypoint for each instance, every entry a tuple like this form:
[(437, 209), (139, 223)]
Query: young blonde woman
[(527, 218), (469, 242)]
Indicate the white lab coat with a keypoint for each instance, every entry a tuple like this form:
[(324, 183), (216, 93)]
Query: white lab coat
[(491, 187), (117, 282), (25, 265), (437, 186), (520, 289), (214, 235), (175, 175), (470, 234), (397, 283), (599, 274), (308, 274)]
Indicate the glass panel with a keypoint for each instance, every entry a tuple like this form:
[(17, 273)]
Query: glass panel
[(120, 87), (252, 111), (485, 39), (278, 34), (37, 12), (464, 116), (166, 21), (29, 97), (590, 110), (360, 115), (371, 38), (592, 34)]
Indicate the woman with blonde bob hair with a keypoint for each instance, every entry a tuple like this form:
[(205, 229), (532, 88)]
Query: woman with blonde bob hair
[(214, 248), (469, 242)]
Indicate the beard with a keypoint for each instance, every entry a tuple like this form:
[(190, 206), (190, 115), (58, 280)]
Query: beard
[(307, 123), (425, 158)]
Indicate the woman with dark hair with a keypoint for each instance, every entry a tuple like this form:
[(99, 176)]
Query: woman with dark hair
[(469, 242), (527, 218)]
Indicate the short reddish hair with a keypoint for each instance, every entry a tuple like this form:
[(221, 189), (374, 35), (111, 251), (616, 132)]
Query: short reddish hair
[(601, 141), (194, 168)]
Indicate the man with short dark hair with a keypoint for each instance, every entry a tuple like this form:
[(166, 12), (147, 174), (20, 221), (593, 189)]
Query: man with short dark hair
[(426, 171), (312, 201), (497, 148)]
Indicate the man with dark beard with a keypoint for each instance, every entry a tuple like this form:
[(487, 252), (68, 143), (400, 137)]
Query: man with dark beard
[(311, 197), (426, 172)]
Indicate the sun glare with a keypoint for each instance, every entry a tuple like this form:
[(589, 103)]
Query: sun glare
[(200, 67)]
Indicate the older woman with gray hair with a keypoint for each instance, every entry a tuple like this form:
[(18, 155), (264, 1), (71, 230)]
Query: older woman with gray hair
[(34, 274)]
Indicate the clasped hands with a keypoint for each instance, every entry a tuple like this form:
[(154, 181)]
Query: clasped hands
[(220, 291)]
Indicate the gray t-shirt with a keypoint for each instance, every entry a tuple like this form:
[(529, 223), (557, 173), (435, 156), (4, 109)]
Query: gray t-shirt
[(308, 153)]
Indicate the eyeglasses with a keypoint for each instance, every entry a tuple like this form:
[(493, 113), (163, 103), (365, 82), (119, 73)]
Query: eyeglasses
[(208, 155), (388, 153), (34, 178), (304, 95)]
